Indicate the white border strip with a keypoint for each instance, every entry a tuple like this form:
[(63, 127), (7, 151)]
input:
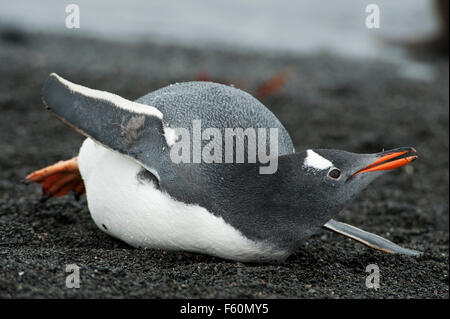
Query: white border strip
[(116, 100)]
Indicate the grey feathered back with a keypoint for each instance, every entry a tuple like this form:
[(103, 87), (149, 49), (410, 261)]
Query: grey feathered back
[(217, 106)]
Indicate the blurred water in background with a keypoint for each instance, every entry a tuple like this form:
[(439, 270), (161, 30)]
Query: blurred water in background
[(295, 27)]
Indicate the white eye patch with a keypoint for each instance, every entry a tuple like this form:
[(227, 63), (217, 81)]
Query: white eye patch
[(315, 161)]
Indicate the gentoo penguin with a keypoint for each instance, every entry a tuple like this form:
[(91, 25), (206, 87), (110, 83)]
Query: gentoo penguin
[(140, 192)]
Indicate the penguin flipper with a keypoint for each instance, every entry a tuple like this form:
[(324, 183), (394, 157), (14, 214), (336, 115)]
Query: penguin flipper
[(130, 128), (369, 239)]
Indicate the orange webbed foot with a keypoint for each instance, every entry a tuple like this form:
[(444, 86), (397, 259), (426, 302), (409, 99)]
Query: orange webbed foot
[(59, 179)]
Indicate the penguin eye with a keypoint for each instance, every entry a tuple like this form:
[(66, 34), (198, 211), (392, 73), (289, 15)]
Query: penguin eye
[(334, 173)]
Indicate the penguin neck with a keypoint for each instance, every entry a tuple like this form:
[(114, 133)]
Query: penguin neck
[(299, 205), (280, 208)]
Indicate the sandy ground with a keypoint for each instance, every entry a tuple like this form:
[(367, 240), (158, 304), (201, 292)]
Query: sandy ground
[(360, 106)]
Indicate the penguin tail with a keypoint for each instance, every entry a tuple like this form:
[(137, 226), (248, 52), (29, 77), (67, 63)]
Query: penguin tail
[(59, 179)]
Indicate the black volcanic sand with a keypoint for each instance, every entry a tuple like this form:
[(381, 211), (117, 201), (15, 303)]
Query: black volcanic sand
[(331, 102)]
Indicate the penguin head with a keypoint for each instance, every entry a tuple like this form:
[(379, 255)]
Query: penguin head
[(331, 179)]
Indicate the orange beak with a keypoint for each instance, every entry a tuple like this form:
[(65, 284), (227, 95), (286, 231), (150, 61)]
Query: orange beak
[(390, 161)]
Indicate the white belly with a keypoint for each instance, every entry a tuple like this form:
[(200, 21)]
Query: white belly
[(143, 216)]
